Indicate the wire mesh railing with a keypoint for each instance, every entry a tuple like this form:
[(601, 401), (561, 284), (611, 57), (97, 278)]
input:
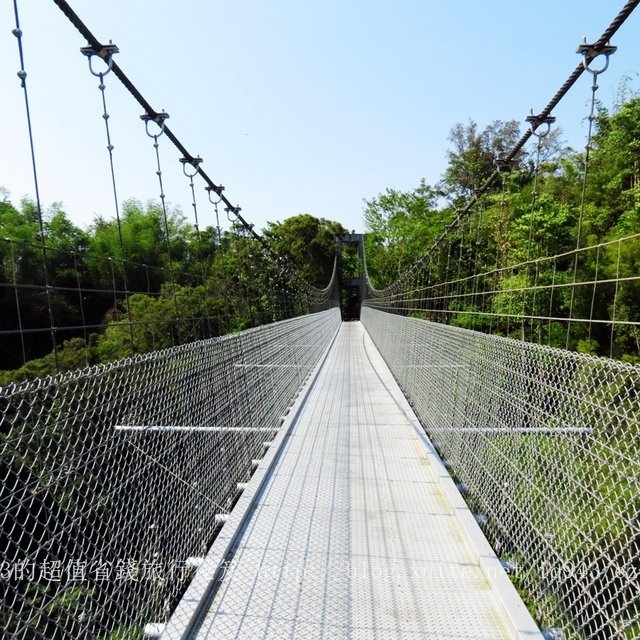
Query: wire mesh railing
[(146, 366), (545, 444), (94, 319), (515, 336), (114, 477)]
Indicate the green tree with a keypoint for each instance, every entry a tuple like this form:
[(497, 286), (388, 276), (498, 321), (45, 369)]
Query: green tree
[(401, 228), (309, 243), (472, 158), (614, 172), (144, 251)]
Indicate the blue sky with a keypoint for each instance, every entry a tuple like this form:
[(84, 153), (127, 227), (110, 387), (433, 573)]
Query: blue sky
[(294, 106)]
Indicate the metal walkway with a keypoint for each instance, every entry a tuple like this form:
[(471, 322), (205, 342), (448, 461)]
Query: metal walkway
[(352, 529)]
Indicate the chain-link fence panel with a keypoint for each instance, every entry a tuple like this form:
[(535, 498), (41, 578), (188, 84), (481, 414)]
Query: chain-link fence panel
[(112, 476), (545, 445)]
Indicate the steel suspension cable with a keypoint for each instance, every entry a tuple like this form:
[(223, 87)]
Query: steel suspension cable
[(22, 74), (594, 51), (102, 51), (107, 56), (587, 155)]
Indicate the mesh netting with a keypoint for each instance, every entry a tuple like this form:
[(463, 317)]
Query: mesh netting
[(112, 476), (544, 443)]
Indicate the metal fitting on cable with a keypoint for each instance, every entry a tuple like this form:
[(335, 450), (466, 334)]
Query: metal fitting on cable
[(502, 165), (589, 53), (220, 518), (232, 210), (535, 121), (106, 52), (153, 630), (217, 190), (194, 162), (510, 566), (158, 118)]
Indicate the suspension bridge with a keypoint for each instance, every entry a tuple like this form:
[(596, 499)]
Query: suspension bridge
[(258, 467)]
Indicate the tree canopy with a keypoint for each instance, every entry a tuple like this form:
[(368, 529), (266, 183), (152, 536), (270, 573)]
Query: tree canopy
[(129, 289), (535, 217), (309, 242)]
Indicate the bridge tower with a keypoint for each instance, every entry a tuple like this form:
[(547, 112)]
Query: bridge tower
[(350, 251)]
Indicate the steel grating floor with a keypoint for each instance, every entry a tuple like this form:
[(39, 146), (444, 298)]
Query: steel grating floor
[(355, 533)]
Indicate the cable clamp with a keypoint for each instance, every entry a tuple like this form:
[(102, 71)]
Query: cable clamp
[(589, 53), (194, 162), (232, 210), (502, 165), (535, 121), (105, 52), (218, 190), (158, 118)]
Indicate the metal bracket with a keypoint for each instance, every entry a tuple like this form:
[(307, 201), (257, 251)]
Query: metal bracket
[(158, 118), (217, 190), (589, 53), (535, 121), (194, 162), (234, 210), (106, 52), (502, 165)]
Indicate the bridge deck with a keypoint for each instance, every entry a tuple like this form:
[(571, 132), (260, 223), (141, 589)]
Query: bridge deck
[(356, 532)]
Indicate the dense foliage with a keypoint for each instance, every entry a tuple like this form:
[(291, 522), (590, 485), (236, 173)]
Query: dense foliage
[(309, 243), (130, 289), (523, 235), (115, 291)]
